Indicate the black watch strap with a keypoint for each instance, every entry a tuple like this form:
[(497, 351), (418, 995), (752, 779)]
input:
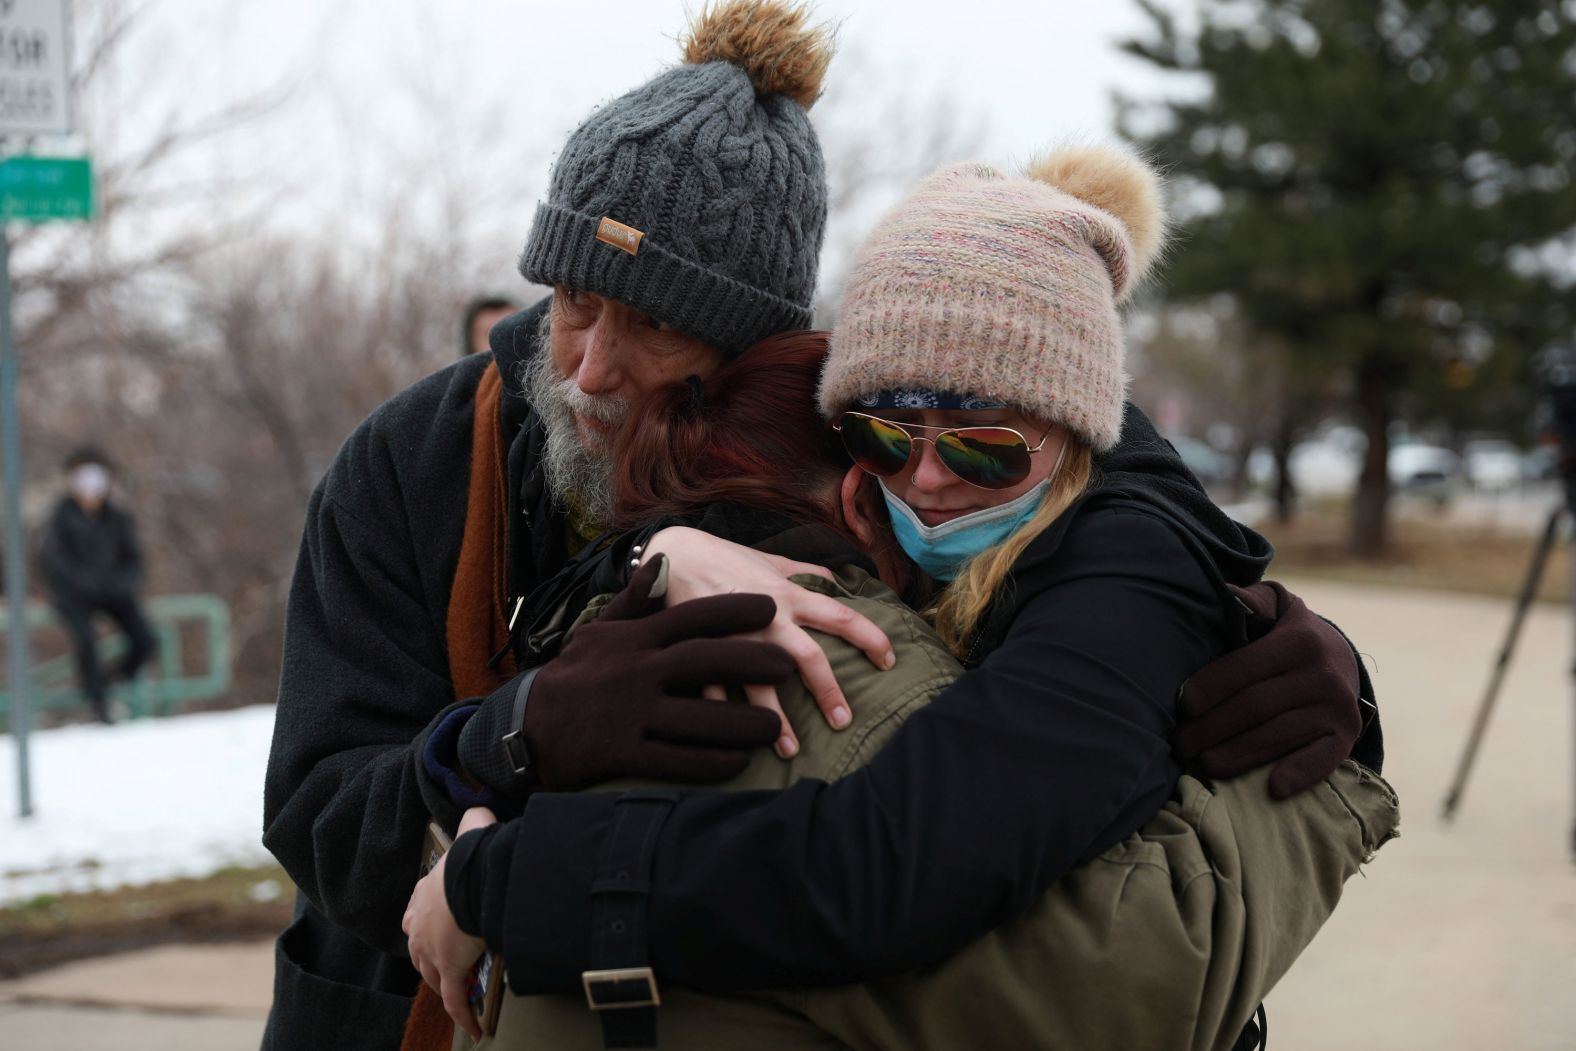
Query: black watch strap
[(492, 747), (514, 749), (620, 985)]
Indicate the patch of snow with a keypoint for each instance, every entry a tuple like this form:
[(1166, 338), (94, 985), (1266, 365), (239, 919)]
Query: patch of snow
[(265, 890), (138, 802)]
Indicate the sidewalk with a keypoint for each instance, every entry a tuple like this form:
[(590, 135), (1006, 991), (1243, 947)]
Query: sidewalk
[(1456, 939), (1461, 936), (171, 998)]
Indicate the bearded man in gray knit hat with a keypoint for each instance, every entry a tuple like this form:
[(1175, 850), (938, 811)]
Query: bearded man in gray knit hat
[(683, 223)]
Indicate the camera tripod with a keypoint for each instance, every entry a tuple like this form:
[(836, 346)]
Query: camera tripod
[(1529, 589)]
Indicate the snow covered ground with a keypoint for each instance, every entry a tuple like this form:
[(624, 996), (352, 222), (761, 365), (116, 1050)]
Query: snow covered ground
[(137, 802)]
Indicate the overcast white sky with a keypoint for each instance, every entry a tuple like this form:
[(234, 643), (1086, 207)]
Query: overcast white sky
[(478, 94)]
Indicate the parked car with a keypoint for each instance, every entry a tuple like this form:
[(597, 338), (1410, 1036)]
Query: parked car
[(1491, 464), (1209, 465), (1542, 464), (1427, 470), (1330, 464)]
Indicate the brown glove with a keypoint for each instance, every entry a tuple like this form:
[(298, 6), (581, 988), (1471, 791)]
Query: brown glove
[(1288, 697), (623, 698)]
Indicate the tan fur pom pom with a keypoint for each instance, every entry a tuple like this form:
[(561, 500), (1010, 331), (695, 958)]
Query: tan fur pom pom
[(771, 41), (1115, 181)]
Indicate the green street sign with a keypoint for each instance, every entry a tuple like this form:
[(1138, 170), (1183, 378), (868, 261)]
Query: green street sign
[(38, 189)]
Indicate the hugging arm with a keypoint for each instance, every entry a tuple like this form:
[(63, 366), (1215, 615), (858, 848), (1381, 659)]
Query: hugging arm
[(1194, 919), (366, 687), (1296, 696), (713, 567), (617, 701), (1048, 754)]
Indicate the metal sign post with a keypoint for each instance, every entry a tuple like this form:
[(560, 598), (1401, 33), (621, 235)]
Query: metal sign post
[(35, 99), (15, 554)]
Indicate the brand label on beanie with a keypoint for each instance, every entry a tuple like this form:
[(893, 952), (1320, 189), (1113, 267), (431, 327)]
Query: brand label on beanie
[(618, 235)]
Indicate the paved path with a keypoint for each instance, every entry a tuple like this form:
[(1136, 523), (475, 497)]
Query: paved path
[(1461, 936), (48, 1027), (1459, 939), (172, 998)]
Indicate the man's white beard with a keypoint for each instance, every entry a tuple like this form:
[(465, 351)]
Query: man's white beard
[(579, 473)]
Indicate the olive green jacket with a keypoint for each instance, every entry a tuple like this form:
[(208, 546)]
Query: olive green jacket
[(1168, 940)]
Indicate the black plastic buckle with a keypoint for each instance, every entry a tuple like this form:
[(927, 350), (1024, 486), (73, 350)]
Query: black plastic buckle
[(514, 746)]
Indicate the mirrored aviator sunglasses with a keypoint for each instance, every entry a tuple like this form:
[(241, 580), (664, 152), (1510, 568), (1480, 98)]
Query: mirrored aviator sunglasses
[(987, 457)]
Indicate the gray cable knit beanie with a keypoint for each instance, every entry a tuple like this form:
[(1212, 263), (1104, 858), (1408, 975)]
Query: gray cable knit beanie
[(699, 198)]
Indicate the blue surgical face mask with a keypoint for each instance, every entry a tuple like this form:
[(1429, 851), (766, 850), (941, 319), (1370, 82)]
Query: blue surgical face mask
[(940, 550)]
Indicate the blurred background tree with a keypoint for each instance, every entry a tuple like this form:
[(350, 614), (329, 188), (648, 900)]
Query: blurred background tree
[(1384, 190), (1205, 352)]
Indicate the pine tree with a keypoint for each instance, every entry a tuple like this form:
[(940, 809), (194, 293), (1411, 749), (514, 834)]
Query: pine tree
[(1385, 186)]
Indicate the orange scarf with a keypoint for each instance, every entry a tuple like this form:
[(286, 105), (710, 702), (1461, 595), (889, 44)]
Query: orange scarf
[(477, 627)]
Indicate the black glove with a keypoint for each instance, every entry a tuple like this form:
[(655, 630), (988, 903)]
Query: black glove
[(1290, 696), (623, 698)]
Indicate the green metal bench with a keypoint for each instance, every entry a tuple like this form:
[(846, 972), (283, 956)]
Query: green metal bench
[(163, 686)]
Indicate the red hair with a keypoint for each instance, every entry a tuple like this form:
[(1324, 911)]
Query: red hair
[(749, 434)]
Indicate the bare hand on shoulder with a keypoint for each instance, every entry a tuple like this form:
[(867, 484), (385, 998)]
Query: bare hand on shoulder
[(701, 565)]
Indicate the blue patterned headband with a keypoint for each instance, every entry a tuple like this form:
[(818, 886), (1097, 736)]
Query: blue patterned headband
[(924, 399)]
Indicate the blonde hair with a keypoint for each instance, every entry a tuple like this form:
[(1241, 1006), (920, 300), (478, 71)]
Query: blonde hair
[(960, 608)]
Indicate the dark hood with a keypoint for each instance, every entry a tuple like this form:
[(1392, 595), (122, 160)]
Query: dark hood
[(1145, 469)]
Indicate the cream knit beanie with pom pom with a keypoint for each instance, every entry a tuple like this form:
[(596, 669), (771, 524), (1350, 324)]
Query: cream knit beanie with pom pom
[(1004, 289)]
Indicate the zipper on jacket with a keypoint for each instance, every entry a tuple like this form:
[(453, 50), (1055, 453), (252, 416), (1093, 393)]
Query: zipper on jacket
[(509, 641)]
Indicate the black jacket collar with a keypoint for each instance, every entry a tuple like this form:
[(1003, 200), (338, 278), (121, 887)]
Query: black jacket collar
[(536, 533)]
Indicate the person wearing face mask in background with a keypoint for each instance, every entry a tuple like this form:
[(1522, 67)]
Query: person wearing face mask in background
[(93, 565)]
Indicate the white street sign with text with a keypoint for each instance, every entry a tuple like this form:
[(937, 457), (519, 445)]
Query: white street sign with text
[(34, 78)]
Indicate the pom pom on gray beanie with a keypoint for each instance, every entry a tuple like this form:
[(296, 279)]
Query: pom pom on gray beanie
[(699, 198)]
